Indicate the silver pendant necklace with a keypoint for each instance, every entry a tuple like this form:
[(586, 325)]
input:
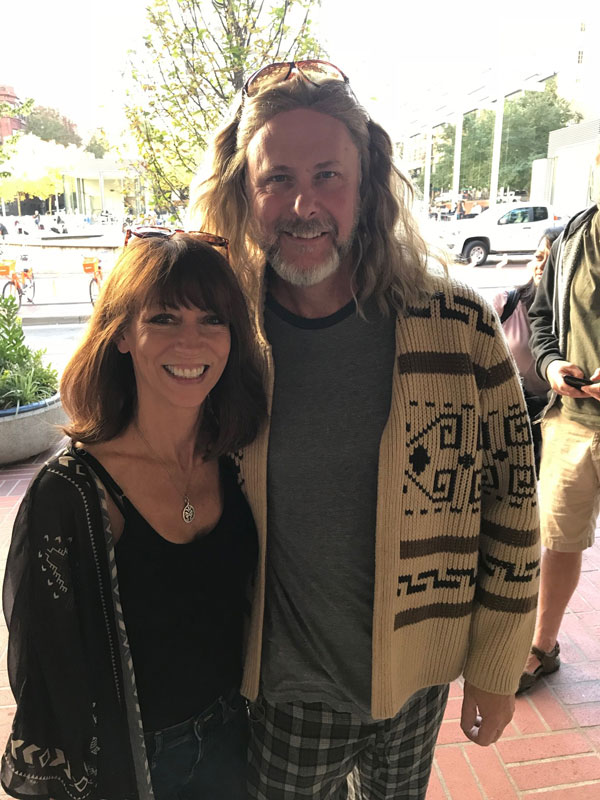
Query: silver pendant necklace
[(189, 512)]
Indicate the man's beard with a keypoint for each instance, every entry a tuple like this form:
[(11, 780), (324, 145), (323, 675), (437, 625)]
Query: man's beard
[(305, 276)]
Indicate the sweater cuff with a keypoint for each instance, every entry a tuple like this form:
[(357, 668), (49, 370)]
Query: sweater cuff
[(545, 363)]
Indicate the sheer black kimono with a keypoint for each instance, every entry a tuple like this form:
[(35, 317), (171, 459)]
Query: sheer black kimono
[(77, 733)]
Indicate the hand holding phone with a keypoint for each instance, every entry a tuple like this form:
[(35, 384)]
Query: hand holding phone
[(576, 383)]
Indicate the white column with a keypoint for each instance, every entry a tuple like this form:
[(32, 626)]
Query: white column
[(427, 178), (67, 193), (101, 182), (496, 148), (3, 207), (457, 154)]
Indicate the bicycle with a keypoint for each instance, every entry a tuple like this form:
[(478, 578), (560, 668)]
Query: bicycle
[(20, 284), (92, 267)]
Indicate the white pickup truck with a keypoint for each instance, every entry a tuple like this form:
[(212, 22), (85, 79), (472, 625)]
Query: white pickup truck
[(502, 228)]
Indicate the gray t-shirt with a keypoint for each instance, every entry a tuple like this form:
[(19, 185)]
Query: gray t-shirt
[(333, 382)]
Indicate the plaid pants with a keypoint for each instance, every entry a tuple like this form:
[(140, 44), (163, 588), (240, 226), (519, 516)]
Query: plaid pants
[(300, 750)]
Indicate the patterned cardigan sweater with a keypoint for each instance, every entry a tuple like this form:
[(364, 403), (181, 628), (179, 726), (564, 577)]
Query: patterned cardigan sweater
[(457, 539)]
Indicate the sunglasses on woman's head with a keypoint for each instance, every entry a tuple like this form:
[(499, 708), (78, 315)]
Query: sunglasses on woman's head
[(149, 232), (312, 70)]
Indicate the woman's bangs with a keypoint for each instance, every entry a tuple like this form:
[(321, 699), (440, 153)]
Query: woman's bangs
[(193, 282)]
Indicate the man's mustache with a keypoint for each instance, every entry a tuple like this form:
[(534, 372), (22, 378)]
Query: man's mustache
[(312, 227)]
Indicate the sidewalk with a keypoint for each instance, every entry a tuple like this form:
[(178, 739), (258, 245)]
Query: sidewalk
[(55, 313), (550, 751), (59, 299)]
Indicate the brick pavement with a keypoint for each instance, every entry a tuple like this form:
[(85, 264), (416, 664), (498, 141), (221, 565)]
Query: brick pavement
[(551, 749)]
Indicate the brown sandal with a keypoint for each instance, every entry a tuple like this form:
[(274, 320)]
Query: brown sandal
[(549, 663)]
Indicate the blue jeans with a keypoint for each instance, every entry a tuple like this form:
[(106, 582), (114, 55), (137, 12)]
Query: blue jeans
[(204, 758)]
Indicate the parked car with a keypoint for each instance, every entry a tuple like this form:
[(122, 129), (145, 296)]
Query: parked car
[(502, 228)]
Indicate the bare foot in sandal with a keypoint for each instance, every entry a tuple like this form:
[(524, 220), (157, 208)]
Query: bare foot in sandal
[(538, 664)]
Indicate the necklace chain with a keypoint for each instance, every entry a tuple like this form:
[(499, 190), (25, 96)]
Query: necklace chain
[(188, 512)]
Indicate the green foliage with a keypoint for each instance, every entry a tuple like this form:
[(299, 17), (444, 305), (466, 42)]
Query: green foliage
[(36, 168), (98, 144), (196, 57), (527, 122), (50, 125), (528, 119), (442, 158), (477, 145), (476, 153), (417, 177), (21, 111), (24, 378)]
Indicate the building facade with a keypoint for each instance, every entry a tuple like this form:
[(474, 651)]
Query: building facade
[(8, 124)]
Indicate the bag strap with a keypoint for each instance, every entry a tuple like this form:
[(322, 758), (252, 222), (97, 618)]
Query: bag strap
[(110, 484), (512, 301)]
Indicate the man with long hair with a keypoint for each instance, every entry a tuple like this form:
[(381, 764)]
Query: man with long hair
[(393, 488)]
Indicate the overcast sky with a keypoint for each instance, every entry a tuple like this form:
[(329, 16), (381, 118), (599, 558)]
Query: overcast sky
[(71, 54)]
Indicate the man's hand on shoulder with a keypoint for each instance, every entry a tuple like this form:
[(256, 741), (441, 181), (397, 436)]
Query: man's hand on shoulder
[(485, 715)]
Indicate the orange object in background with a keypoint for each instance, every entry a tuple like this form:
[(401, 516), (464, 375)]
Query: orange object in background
[(92, 267), (7, 266), (90, 264)]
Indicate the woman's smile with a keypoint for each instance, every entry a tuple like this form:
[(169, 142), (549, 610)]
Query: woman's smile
[(186, 373)]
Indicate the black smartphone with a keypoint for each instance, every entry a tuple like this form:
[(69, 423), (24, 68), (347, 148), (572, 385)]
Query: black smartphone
[(576, 383)]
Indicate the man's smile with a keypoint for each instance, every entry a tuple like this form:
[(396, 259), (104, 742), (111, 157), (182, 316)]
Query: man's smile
[(306, 235)]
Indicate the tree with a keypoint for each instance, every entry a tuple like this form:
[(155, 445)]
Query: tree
[(527, 122), (7, 147), (197, 56), (477, 144), (51, 126), (476, 153), (442, 158), (528, 119), (98, 144), (30, 171)]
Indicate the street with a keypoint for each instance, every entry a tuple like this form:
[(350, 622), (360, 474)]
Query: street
[(58, 340)]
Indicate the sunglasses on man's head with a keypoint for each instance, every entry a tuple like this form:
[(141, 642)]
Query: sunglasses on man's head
[(312, 70), (148, 232)]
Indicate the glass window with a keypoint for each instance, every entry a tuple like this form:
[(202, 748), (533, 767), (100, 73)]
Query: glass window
[(515, 217), (540, 213)]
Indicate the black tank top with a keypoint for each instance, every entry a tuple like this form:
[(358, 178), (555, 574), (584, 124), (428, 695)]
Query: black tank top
[(183, 604)]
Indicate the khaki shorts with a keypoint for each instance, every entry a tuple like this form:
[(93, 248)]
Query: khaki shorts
[(569, 483)]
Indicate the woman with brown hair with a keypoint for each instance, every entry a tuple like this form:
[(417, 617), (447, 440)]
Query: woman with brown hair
[(126, 578)]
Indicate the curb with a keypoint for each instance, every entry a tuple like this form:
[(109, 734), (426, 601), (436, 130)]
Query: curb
[(79, 320), (55, 314)]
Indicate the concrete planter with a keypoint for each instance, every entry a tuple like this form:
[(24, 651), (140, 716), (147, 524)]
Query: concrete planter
[(32, 430)]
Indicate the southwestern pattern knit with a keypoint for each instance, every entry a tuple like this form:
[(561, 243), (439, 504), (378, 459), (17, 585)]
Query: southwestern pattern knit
[(457, 550)]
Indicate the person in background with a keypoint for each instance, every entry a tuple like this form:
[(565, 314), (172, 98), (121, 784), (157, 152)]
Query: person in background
[(3, 230), (565, 342), (513, 307), (126, 579), (391, 519)]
